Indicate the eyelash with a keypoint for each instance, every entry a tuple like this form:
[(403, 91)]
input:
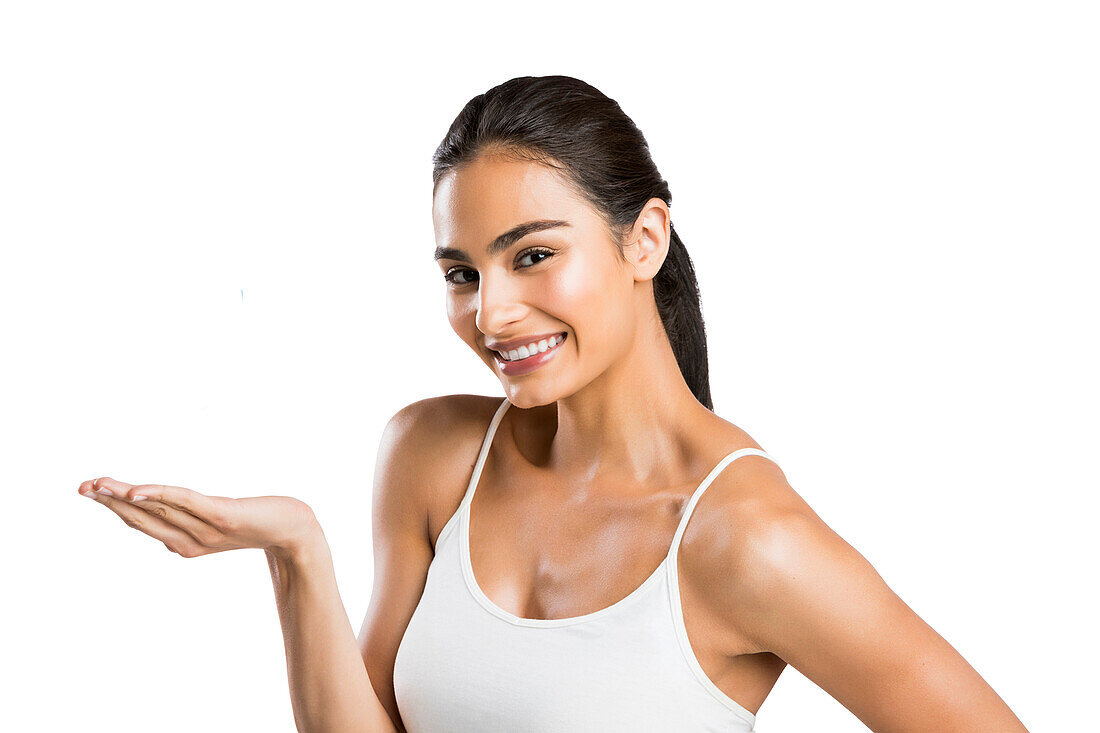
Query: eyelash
[(534, 250)]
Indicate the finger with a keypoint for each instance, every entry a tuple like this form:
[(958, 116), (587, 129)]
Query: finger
[(210, 510), (204, 518), (109, 487), (175, 538)]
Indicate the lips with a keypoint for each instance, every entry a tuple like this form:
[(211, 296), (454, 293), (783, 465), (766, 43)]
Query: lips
[(531, 363)]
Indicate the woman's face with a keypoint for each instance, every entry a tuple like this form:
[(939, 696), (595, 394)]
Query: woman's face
[(559, 276)]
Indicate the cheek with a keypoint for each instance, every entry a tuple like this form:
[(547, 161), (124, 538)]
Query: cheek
[(594, 297), (578, 292), (460, 314)]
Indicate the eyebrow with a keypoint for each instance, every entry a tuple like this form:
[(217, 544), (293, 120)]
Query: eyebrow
[(504, 241)]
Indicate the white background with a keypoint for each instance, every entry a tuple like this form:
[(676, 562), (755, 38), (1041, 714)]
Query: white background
[(216, 273)]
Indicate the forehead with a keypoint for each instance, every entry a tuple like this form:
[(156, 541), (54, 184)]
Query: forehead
[(477, 201)]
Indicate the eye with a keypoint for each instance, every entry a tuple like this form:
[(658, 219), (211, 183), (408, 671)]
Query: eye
[(455, 272), (449, 276), (527, 253)]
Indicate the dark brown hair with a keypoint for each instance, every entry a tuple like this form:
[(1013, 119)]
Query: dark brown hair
[(574, 128)]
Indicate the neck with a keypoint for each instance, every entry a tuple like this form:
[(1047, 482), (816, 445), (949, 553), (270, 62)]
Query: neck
[(631, 425)]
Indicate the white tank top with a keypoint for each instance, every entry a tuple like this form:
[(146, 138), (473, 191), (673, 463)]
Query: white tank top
[(465, 664)]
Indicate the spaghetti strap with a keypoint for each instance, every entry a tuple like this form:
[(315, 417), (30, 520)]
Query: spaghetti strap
[(474, 477), (486, 442), (730, 458), (745, 715)]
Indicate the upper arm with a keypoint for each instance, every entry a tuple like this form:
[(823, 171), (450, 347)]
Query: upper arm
[(402, 547), (803, 593)]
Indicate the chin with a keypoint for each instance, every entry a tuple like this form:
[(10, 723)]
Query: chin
[(525, 397)]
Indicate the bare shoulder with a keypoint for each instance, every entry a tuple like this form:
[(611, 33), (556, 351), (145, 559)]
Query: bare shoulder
[(788, 584), (429, 448), (434, 425), (749, 527)]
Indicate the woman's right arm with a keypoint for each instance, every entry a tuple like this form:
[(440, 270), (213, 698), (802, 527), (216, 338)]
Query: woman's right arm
[(339, 683), (330, 690)]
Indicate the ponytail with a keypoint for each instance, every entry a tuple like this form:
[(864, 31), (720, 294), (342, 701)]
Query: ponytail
[(676, 290)]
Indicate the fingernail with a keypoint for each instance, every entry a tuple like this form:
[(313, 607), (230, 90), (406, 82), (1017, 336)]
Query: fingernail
[(140, 498), (89, 494), (105, 492)]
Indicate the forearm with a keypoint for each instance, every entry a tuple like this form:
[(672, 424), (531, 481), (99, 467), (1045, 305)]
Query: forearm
[(330, 690)]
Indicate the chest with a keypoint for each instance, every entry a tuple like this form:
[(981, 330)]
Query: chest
[(539, 555), (539, 551)]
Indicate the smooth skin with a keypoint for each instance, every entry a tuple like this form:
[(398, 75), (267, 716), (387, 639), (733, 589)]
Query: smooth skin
[(603, 440)]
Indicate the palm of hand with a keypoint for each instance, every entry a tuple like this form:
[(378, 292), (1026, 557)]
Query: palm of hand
[(193, 524)]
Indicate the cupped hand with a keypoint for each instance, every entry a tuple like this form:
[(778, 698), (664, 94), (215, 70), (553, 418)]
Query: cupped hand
[(193, 524)]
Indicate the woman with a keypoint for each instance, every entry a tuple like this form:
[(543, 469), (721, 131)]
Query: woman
[(599, 550)]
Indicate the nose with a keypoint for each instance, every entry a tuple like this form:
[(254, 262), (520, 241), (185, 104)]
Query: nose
[(500, 303)]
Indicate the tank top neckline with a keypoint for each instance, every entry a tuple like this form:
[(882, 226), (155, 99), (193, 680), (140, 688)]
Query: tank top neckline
[(667, 564)]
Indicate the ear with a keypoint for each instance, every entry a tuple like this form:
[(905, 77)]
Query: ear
[(647, 246)]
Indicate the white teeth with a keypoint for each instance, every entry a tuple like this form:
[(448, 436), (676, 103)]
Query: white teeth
[(532, 348)]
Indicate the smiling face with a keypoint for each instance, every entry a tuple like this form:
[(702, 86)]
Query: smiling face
[(524, 256)]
